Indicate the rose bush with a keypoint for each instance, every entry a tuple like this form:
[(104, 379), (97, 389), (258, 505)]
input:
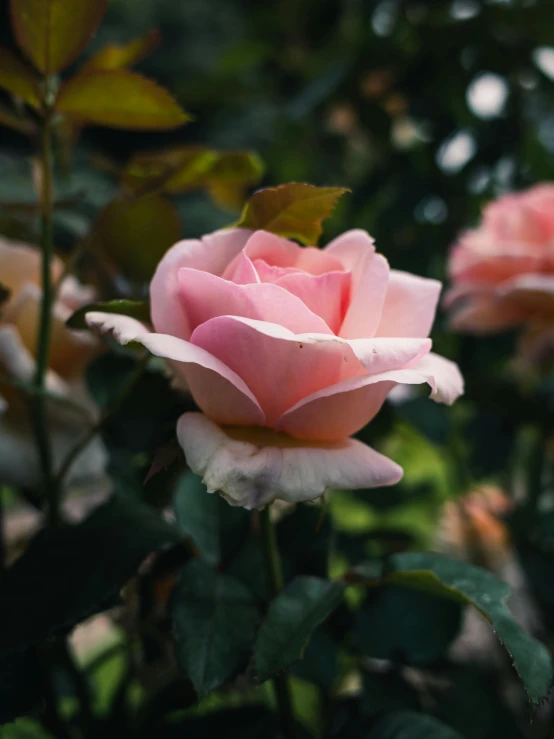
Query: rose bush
[(287, 351), (70, 352), (503, 271)]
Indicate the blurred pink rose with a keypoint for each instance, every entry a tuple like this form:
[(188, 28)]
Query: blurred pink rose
[(70, 352), (288, 351), (503, 272)]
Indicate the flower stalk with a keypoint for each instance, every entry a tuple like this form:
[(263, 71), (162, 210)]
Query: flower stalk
[(281, 684)]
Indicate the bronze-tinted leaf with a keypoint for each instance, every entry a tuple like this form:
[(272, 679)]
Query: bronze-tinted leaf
[(133, 235), (295, 210), (52, 33), (119, 99), (121, 56), (225, 175), (19, 79)]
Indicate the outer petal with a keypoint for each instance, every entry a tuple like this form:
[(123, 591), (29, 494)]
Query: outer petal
[(278, 366), (350, 247), (282, 368), (252, 473), (484, 313), (212, 254), (533, 293), (352, 403), (219, 391), (206, 296), (410, 305)]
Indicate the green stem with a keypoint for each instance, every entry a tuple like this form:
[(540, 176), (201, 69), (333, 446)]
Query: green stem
[(275, 577), (38, 403), (129, 386)]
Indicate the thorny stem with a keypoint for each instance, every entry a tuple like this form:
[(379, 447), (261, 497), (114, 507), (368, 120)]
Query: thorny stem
[(275, 576)]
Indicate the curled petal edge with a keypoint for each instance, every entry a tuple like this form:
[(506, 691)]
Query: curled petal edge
[(251, 467)]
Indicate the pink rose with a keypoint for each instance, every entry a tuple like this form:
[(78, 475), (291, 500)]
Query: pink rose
[(288, 351), (69, 353), (503, 271)]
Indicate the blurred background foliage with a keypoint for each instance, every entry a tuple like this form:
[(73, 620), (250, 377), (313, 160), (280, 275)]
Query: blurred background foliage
[(426, 110)]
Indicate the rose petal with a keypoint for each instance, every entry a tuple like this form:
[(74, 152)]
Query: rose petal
[(280, 252), (269, 358), (346, 407), (410, 305), (206, 296), (211, 254), (532, 293), (325, 295), (252, 473), (370, 274), (70, 351), (20, 265), (219, 391), (278, 366)]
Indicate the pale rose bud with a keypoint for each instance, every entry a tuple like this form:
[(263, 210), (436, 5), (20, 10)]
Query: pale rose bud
[(70, 352), (503, 272), (288, 351)]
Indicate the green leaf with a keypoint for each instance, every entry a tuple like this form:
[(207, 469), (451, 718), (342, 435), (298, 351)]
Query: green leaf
[(295, 210), (214, 618), (218, 529), (121, 56), (411, 725), (19, 79), (52, 33), (70, 572), (468, 585), (225, 175), (292, 617), (138, 309), (119, 99), (406, 626), (133, 235)]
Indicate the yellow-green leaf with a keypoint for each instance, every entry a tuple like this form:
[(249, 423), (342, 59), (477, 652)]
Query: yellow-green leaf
[(225, 175), (133, 235), (121, 56), (173, 170), (295, 210), (19, 79), (119, 99), (52, 33)]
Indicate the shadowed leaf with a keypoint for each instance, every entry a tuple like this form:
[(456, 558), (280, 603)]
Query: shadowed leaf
[(214, 620), (133, 235), (118, 98), (52, 33), (292, 617), (468, 585), (70, 572), (19, 79), (295, 210)]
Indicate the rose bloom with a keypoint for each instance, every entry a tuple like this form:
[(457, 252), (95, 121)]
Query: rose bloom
[(288, 351), (70, 352), (503, 271)]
